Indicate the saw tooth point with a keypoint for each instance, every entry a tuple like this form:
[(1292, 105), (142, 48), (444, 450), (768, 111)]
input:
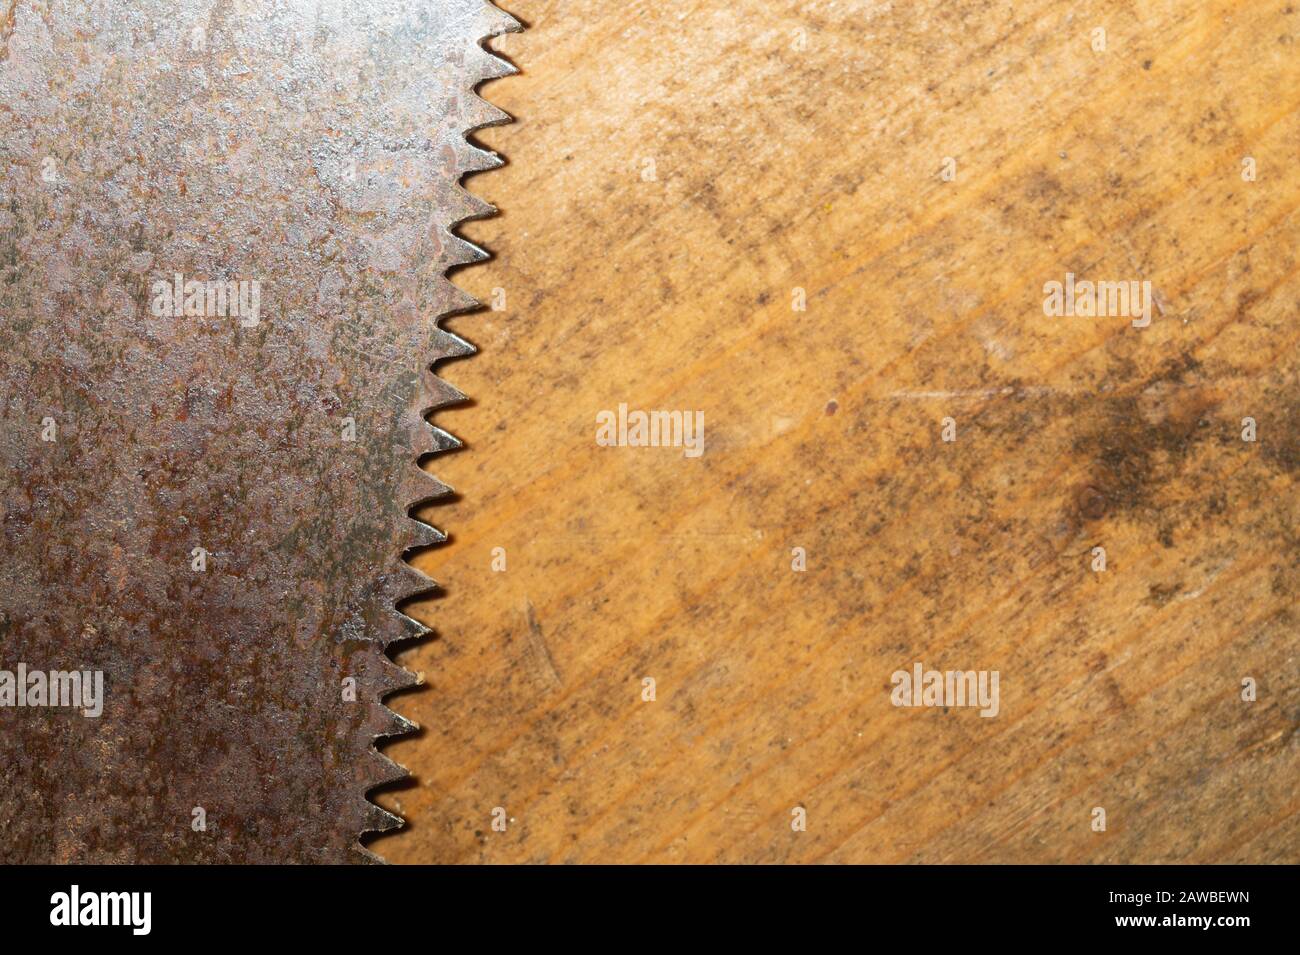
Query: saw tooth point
[(443, 440)]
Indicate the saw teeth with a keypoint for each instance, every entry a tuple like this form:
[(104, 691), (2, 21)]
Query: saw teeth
[(396, 627), (464, 252), (418, 487), (439, 394), (390, 772), (461, 301), (496, 68), (391, 677), (396, 725), (495, 22), (381, 820), (426, 535), (475, 208), (443, 441), (482, 113), (447, 345), (474, 159), (406, 582)]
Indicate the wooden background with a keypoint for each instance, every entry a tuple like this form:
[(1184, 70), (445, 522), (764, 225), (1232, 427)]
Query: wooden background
[(799, 145)]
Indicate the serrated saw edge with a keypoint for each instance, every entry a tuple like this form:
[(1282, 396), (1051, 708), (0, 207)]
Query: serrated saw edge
[(419, 487)]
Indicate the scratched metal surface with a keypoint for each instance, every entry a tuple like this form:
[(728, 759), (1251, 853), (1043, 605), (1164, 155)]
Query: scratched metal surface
[(315, 149)]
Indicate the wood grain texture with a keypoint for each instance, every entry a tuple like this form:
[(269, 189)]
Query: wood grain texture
[(778, 167)]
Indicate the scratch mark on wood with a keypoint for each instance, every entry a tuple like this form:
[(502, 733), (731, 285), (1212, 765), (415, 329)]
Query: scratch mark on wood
[(539, 643)]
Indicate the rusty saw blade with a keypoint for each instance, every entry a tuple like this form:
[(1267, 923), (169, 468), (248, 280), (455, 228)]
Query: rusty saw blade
[(225, 227)]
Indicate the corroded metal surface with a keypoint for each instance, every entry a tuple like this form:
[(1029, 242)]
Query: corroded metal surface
[(204, 500)]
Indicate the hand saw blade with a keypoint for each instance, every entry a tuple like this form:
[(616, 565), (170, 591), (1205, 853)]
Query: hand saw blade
[(224, 233)]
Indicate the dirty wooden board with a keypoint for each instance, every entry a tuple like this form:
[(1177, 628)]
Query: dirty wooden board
[(821, 168)]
